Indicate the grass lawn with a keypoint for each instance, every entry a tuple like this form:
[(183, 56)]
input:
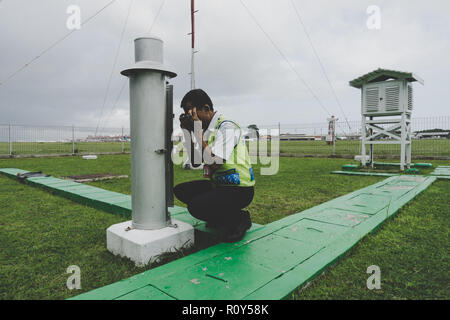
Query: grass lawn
[(424, 147), (39, 148), (41, 234)]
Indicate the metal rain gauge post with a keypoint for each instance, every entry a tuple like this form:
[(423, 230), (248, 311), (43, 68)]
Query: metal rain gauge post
[(151, 231)]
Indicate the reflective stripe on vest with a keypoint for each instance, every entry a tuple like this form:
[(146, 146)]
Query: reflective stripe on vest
[(237, 170)]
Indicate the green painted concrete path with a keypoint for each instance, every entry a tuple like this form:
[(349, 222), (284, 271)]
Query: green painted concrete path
[(98, 198), (442, 172), (272, 260), (358, 173), (396, 164)]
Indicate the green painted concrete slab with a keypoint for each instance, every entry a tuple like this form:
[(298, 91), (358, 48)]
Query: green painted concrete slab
[(12, 171), (46, 180), (405, 181), (52, 182), (272, 261), (424, 165), (122, 208), (313, 232), (75, 189), (107, 203), (274, 251), (177, 210), (186, 217), (146, 293), (412, 170), (357, 173), (368, 203), (441, 171), (349, 167), (203, 227), (393, 191), (339, 217), (217, 278), (126, 205), (107, 196), (86, 191), (396, 164)]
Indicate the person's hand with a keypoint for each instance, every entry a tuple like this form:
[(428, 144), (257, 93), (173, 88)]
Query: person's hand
[(193, 113), (198, 132), (186, 122)]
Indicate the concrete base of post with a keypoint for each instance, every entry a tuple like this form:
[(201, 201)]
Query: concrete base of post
[(144, 246), (363, 159)]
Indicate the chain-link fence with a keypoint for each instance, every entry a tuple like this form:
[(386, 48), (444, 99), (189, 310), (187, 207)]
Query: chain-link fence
[(22, 140), (431, 139)]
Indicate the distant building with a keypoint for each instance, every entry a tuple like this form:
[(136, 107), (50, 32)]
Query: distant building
[(265, 137), (300, 137), (432, 135), (118, 138)]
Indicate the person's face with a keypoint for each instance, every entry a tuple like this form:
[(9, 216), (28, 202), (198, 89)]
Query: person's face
[(203, 114)]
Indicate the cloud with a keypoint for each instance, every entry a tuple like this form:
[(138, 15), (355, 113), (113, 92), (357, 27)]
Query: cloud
[(237, 65)]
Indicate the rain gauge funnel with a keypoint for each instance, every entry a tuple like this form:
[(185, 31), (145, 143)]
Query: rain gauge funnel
[(151, 231)]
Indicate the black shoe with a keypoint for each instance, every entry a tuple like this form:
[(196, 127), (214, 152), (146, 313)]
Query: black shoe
[(237, 233), (212, 225), (246, 219)]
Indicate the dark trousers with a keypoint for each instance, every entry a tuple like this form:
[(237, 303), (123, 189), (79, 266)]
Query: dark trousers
[(219, 206)]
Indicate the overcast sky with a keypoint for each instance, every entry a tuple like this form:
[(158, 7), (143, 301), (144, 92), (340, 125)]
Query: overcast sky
[(237, 65)]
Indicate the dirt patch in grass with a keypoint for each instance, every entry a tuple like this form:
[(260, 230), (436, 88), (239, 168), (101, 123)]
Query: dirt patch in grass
[(96, 177)]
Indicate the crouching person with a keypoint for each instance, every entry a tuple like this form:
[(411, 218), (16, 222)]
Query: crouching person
[(229, 188)]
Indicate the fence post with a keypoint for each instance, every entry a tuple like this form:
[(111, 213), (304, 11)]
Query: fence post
[(334, 145), (123, 146), (9, 140), (73, 140)]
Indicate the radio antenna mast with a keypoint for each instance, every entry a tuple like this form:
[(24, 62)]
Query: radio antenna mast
[(193, 11)]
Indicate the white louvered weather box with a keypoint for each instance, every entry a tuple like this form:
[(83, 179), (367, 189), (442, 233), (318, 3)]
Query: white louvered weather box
[(386, 107), (387, 98)]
